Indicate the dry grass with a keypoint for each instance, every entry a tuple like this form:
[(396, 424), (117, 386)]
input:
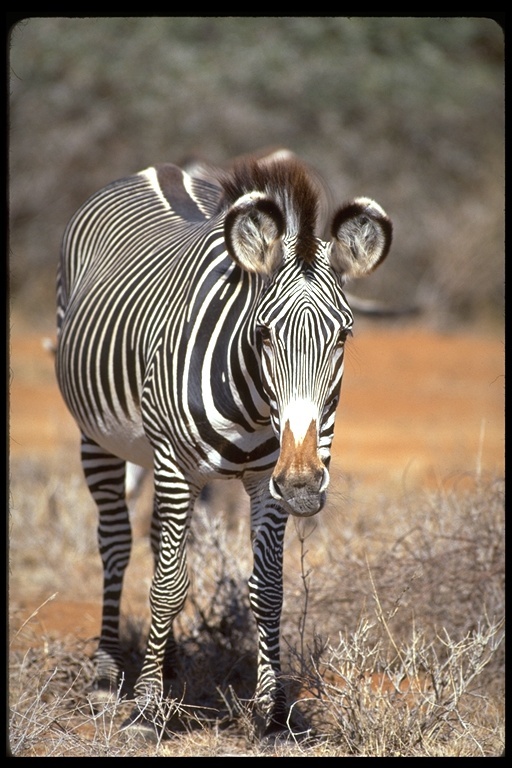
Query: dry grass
[(392, 628)]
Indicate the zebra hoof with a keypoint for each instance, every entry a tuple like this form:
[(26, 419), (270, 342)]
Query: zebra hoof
[(152, 724), (141, 727), (270, 741), (148, 720), (102, 695), (276, 724)]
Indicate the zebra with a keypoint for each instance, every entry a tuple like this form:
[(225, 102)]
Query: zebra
[(201, 326)]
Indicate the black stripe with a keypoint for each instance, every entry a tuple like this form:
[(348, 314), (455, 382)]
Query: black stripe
[(170, 178)]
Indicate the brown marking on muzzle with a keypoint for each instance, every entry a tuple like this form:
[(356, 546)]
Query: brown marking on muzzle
[(299, 464)]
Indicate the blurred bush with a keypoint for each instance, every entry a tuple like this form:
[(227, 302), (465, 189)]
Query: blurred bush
[(407, 110)]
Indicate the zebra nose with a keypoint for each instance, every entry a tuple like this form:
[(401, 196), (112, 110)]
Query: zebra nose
[(301, 495), (300, 476), (314, 482)]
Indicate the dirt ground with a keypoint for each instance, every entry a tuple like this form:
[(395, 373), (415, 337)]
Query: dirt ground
[(415, 404), (418, 407)]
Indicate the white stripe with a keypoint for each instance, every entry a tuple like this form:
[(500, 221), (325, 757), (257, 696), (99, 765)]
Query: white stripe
[(299, 413), (152, 177)]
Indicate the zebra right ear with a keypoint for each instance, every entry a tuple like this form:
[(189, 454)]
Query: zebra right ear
[(253, 228), (361, 237)]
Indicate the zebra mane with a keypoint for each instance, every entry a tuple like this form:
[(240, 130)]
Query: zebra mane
[(289, 183)]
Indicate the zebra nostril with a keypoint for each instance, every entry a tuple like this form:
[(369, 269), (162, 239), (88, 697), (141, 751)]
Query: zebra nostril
[(298, 485)]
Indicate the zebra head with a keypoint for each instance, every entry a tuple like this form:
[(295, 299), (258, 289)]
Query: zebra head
[(302, 318)]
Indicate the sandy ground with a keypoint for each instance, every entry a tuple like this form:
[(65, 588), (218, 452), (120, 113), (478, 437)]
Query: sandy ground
[(417, 407)]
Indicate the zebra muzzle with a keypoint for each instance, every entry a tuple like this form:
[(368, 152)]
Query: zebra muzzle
[(300, 477)]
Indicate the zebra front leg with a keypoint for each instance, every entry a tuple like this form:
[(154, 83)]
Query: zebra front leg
[(268, 523), (105, 476), (171, 651), (175, 498)]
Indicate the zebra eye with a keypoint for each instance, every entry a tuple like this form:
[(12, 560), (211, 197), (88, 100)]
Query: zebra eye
[(264, 334), (342, 336)]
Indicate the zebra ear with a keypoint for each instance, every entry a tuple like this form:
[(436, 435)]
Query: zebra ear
[(253, 228), (361, 233)]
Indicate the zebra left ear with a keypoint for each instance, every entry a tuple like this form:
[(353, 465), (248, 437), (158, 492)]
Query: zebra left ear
[(253, 228), (362, 234)]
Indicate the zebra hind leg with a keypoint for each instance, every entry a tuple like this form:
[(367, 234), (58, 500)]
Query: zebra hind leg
[(105, 476)]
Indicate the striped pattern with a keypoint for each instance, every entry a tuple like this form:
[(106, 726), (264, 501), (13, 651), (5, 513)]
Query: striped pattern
[(201, 327)]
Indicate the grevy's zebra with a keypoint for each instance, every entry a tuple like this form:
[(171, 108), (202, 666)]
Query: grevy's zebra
[(201, 330)]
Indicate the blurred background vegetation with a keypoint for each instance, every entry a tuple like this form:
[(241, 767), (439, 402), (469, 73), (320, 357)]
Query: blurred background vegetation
[(409, 111)]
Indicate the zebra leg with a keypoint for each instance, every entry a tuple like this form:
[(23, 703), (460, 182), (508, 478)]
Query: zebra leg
[(171, 651), (268, 523), (105, 476), (175, 498)]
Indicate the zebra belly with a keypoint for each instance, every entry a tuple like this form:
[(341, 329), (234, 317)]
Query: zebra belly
[(125, 439)]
